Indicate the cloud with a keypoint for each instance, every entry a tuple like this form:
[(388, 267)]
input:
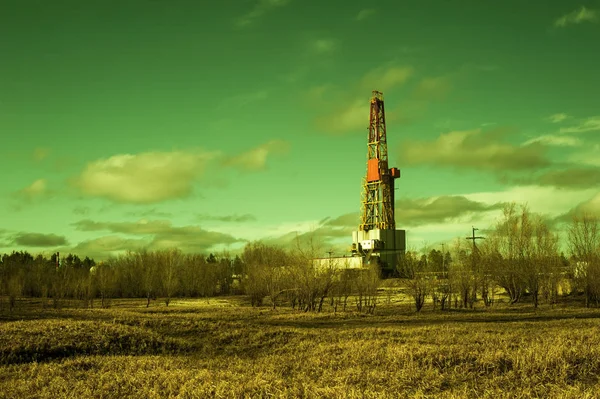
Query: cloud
[(37, 189), (243, 99), (38, 240), (571, 178), (411, 212), (187, 238), (102, 248), (227, 218), (322, 46), (557, 118), (591, 206), (324, 237), (260, 8), (255, 159), (433, 89), (364, 14), (578, 16), (346, 110), (144, 178), (547, 200), (150, 212), (353, 117), (385, 78), (82, 210), (590, 156), (591, 124), (555, 141), (349, 118), (473, 149), (40, 153)]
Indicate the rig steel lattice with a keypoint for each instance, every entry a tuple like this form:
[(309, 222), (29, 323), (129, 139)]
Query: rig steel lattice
[(377, 205)]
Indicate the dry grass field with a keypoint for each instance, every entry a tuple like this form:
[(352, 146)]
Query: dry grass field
[(226, 349)]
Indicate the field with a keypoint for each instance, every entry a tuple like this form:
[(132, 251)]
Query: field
[(224, 348)]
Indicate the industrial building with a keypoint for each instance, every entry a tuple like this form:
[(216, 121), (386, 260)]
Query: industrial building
[(377, 241)]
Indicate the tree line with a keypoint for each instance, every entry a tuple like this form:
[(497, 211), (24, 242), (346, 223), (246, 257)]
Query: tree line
[(520, 257)]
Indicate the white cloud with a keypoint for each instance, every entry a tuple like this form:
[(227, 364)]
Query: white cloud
[(260, 8), (255, 159), (35, 189), (578, 16), (591, 124), (473, 149), (350, 118), (365, 13), (386, 77), (546, 200), (556, 141), (143, 178)]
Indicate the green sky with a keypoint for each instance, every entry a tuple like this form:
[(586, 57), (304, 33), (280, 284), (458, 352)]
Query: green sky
[(203, 125)]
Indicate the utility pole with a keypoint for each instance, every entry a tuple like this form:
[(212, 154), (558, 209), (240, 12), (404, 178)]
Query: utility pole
[(474, 238)]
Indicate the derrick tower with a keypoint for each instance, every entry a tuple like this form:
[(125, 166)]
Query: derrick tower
[(377, 239), (377, 205)]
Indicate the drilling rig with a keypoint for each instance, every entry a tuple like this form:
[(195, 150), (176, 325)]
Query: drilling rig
[(377, 239)]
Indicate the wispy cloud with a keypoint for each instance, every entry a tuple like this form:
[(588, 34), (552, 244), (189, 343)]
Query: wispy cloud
[(161, 235), (35, 189), (40, 153), (578, 16), (589, 156), (82, 210), (557, 118), (150, 212), (412, 212), (226, 218), (365, 13), (591, 206), (555, 141), (386, 77), (323, 46), (473, 149), (591, 124), (260, 8), (436, 88), (255, 159), (576, 177), (243, 99)]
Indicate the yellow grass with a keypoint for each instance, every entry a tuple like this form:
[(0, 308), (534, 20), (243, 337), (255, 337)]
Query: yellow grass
[(222, 348)]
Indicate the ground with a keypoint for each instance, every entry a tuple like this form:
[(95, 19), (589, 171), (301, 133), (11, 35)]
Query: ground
[(225, 348)]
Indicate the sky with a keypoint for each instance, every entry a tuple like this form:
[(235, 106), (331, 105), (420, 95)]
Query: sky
[(203, 126)]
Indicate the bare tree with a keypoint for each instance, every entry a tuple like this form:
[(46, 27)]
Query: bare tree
[(584, 243), (169, 263), (508, 245), (417, 285)]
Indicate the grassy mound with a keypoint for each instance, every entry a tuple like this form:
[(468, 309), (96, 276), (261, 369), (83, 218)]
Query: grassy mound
[(29, 341)]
